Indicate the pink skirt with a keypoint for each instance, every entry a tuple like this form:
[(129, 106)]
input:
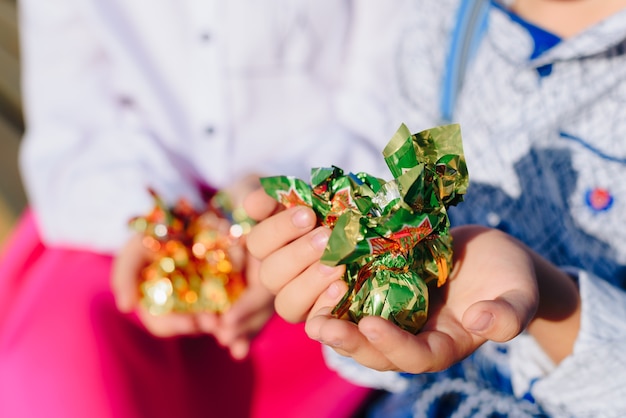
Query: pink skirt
[(65, 351)]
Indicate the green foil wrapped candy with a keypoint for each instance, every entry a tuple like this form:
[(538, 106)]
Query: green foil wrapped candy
[(387, 287), (393, 236)]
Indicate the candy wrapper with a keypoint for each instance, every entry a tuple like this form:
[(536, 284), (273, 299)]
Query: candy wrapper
[(198, 260), (393, 236)]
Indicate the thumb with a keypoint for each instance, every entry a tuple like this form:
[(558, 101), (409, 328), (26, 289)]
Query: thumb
[(126, 272), (501, 319)]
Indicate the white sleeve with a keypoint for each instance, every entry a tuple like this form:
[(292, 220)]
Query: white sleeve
[(360, 375), (82, 159), (592, 381)]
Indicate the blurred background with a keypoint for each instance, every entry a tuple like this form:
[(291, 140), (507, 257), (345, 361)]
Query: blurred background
[(12, 199)]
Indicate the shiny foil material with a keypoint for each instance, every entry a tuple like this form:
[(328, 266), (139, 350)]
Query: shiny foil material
[(393, 236), (198, 256)]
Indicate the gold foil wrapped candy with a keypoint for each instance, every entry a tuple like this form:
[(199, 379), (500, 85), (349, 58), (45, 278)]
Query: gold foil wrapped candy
[(198, 256)]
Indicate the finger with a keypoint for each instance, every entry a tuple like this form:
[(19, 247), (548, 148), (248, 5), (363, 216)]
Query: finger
[(258, 205), (255, 306), (501, 319), (252, 267), (207, 322), (324, 305), (428, 351), (168, 325), (242, 188), (286, 263), (239, 349), (296, 299), (342, 335), (246, 317), (279, 230), (126, 272), (346, 339)]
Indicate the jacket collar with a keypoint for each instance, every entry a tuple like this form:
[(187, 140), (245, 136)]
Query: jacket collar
[(606, 38)]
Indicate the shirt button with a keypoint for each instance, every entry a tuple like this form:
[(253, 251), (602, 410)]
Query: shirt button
[(493, 219), (209, 130), (126, 101), (205, 36)]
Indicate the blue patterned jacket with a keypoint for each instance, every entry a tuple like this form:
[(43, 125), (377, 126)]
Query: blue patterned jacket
[(544, 130)]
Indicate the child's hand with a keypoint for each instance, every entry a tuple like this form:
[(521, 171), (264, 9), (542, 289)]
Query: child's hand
[(237, 327), (246, 317), (290, 248), (125, 280), (233, 329), (491, 294)]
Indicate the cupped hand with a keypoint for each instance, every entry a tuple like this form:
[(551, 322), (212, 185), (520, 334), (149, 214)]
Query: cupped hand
[(234, 329), (492, 294), (125, 279)]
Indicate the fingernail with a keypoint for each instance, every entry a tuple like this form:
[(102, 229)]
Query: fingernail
[(333, 291), (333, 343), (319, 240), (482, 322), (326, 270), (371, 335), (302, 218)]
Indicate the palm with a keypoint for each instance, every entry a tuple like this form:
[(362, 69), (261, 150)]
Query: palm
[(493, 276)]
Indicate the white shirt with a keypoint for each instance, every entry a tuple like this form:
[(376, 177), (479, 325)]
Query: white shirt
[(121, 95)]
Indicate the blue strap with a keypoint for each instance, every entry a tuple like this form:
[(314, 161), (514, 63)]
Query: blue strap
[(470, 26)]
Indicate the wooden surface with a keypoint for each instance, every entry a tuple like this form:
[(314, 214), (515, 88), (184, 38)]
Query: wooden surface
[(12, 199)]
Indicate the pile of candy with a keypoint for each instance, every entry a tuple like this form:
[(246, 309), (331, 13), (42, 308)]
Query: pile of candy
[(198, 256)]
